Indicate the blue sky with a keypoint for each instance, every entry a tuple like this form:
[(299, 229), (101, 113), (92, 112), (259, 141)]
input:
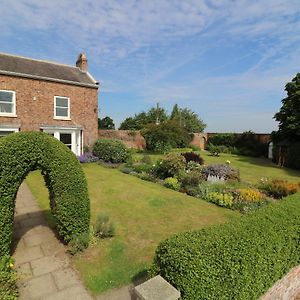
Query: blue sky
[(227, 60)]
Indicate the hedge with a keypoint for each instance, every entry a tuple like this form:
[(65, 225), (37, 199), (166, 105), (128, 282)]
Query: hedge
[(110, 150), (237, 260), (23, 152)]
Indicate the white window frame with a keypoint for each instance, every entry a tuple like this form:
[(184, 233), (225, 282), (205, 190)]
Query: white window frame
[(13, 113), (69, 109), (9, 129)]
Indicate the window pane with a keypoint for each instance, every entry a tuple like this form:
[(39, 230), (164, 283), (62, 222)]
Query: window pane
[(6, 107), (66, 138), (6, 96), (62, 102), (61, 112), (3, 133)]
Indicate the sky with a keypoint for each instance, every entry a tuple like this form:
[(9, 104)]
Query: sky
[(227, 60)]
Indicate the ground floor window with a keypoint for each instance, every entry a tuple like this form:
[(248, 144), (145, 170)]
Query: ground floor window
[(6, 131), (72, 138)]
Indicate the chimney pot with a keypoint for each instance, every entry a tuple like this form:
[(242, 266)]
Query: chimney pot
[(82, 63)]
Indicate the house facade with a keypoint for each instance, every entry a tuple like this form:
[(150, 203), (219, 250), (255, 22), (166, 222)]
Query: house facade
[(58, 99)]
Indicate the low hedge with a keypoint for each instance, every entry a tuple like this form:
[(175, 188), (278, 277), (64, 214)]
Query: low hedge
[(111, 150), (23, 152), (238, 260)]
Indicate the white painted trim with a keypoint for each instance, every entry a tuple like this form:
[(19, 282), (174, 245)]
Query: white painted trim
[(68, 118), (13, 113)]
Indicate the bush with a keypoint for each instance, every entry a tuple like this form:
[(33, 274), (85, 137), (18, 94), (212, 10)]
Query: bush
[(78, 243), (142, 168), (249, 195), (147, 160), (221, 199), (23, 152), (103, 227), (161, 138), (192, 156), (172, 165), (111, 150), (87, 157), (213, 150), (221, 171), (224, 139), (191, 179), (238, 260), (172, 183), (279, 188), (8, 279)]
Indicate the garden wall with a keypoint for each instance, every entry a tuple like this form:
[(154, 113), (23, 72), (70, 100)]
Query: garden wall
[(286, 288), (132, 139)]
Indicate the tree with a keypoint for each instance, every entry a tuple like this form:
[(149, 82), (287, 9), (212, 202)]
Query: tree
[(289, 114), (106, 123), (187, 119), (139, 121)]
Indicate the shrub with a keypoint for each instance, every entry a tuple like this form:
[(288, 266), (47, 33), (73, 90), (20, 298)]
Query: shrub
[(194, 147), (238, 260), (161, 138), (193, 166), (111, 150), (147, 160), (172, 165), (172, 183), (192, 178), (249, 195), (224, 139), (142, 168), (293, 158), (192, 156), (23, 152), (213, 150), (221, 199), (78, 243), (87, 157), (279, 188), (8, 279), (221, 171), (103, 227)]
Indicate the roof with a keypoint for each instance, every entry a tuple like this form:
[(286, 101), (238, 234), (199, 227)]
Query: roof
[(44, 70)]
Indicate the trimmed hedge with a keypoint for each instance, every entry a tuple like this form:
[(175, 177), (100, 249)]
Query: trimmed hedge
[(23, 152), (111, 150), (238, 260)]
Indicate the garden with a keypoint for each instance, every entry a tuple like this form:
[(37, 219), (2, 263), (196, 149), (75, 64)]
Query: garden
[(148, 197)]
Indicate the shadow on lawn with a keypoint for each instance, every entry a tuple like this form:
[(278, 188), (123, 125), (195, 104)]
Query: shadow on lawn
[(264, 162)]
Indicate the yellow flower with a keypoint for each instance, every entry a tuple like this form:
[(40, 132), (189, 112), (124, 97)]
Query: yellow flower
[(11, 265), (227, 162)]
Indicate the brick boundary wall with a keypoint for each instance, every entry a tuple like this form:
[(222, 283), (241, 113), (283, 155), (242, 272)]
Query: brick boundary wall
[(287, 288), (132, 139)]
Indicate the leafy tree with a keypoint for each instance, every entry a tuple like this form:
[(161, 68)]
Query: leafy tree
[(166, 135), (289, 114), (188, 119), (106, 123), (139, 121)]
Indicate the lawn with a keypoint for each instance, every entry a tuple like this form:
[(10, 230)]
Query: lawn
[(252, 169), (144, 213)]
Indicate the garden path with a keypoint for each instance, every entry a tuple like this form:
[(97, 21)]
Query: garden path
[(44, 268)]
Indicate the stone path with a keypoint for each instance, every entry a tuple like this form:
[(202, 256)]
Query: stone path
[(44, 267)]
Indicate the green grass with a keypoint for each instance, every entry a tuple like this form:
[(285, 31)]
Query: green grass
[(144, 213)]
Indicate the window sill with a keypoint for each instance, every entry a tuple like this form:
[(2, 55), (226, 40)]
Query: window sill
[(8, 115), (62, 119)]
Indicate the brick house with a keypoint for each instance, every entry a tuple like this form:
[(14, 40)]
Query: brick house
[(58, 99)]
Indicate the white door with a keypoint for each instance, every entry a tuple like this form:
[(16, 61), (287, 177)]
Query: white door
[(71, 138)]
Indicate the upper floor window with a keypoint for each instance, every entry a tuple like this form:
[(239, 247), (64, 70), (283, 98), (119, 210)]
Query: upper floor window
[(7, 103), (61, 107)]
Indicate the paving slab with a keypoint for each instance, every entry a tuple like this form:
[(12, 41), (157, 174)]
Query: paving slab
[(44, 268)]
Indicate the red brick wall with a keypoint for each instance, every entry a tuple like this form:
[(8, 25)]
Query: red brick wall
[(32, 114), (132, 139)]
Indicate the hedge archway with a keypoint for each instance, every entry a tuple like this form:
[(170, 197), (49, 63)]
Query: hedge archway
[(23, 152)]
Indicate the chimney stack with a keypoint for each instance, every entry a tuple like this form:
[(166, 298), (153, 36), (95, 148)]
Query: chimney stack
[(82, 63)]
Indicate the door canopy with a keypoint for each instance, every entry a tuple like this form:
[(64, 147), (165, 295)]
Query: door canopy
[(21, 153)]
